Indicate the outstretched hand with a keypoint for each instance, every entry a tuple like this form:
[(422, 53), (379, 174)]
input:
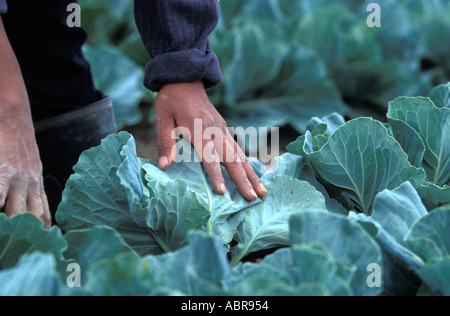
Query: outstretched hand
[(186, 105)]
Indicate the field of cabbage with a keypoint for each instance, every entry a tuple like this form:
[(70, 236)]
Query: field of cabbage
[(357, 206)]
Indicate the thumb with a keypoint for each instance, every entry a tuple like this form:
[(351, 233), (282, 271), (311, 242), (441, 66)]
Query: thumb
[(166, 141)]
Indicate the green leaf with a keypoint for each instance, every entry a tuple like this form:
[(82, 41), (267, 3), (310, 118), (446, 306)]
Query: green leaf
[(410, 141), (134, 48), (114, 7), (270, 277), (250, 49), (300, 91), (440, 96), (172, 267), (394, 213), (397, 210), (190, 174), (433, 195), (96, 195), (332, 121), (433, 126), (266, 225), (108, 22), (293, 166), (434, 49), (361, 159), (270, 86), (305, 270), (173, 211), (120, 78), (436, 274), (35, 275), (125, 275), (198, 269), (23, 234), (208, 265), (366, 68), (430, 236), (347, 242), (321, 129), (287, 164), (334, 274), (316, 139), (89, 246)]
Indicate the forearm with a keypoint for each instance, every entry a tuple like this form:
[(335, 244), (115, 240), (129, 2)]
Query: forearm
[(14, 104)]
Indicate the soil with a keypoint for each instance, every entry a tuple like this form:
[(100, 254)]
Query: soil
[(146, 143)]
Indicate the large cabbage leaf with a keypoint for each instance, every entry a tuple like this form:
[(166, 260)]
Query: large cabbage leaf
[(429, 238), (25, 234), (361, 159), (432, 124), (347, 242)]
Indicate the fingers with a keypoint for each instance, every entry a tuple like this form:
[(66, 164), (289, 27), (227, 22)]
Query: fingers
[(166, 140), (234, 160), (239, 177), (258, 186), (22, 197), (37, 203), (4, 189), (34, 204), (253, 178), (241, 172), (211, 163), (17, 199), (213, 150), (47, 217)]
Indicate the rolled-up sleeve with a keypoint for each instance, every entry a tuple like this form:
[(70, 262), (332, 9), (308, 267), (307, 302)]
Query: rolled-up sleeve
[(3, 6), (175, 34)]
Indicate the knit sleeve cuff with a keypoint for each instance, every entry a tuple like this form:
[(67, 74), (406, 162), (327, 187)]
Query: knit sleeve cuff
[(3, 6), (183, 66)]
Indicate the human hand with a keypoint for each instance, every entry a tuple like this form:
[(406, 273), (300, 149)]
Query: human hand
[(21, 182), (181, 105)]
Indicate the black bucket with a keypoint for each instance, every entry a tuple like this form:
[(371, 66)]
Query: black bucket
[(62, 139)]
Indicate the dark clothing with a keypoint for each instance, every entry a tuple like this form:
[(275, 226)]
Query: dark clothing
[(57, 76), (3, 6)]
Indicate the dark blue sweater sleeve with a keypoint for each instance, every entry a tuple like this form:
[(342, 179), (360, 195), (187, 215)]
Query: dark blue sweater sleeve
[(175, 33), (3, 6)]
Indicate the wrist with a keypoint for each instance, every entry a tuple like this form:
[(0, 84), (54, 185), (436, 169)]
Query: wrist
[(15, 115), (195, 86)]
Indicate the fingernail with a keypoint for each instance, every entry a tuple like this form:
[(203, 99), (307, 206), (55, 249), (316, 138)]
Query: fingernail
[(163, 162), (223, 188), (263, 188), (252, 192)]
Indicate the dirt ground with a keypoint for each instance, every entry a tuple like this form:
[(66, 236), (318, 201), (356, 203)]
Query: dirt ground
[(145, 136)]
